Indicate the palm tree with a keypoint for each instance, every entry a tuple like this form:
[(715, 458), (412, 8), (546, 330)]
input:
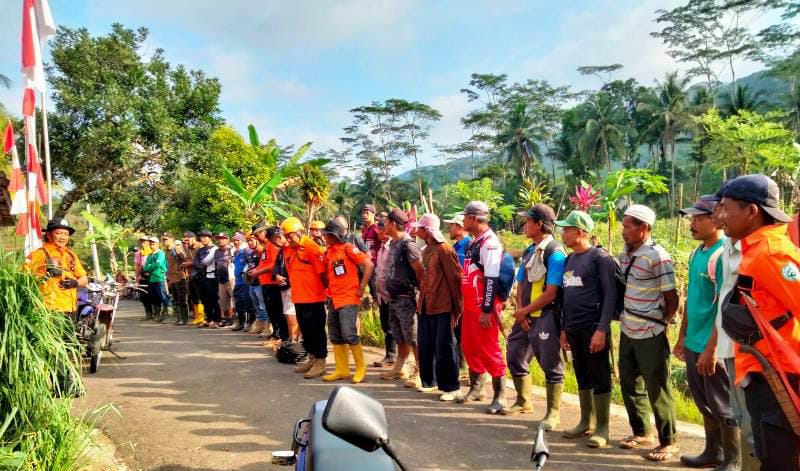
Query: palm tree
[(342, 197), (603, 130), (742, 98), (370, 189), (669, 105), (518, 136), (314, 189)]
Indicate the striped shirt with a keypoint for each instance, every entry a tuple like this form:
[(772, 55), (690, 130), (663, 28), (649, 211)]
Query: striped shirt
[(651, 275)]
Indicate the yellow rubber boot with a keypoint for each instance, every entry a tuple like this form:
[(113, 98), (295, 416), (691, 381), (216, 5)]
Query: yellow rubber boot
[(342, 359), (200, 317), (361, 365)]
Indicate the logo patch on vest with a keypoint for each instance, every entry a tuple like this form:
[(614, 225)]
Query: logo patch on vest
[(791, 272)]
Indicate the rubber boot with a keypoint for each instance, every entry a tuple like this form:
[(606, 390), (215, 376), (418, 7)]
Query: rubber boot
[(361, 365), (306, 365), (731, 437), (317, 369), (200, 316), (165, 315), (475, 393), (342, 359), (712, 453), (183, 315), (499, 397), (523, 403), (553, 415), (587, 422), (157, 313), (602, 409), (148, 312), (749, 460)]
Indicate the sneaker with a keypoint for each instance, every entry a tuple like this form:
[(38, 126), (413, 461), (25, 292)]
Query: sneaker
[(426, 389), (247, 327), (448, 396), (317, 369)]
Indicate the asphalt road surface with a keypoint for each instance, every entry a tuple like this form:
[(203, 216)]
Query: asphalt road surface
[(193, 399)]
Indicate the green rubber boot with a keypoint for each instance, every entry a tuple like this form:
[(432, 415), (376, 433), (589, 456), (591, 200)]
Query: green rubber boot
[(587, 423), (602, 410), (553, 416), (523, 404)]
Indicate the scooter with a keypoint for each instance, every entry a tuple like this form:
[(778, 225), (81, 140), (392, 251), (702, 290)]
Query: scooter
[(97, 307), (346, 432)]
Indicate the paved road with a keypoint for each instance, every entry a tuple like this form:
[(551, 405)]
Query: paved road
[(203, 400)]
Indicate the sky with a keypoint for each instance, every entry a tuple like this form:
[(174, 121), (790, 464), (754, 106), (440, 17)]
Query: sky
[(295, 68)]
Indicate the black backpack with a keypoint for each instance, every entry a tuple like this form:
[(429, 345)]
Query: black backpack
[(404, 282), (290, 353)]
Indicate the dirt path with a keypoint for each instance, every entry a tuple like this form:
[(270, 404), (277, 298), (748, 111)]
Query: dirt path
[(203, 400)]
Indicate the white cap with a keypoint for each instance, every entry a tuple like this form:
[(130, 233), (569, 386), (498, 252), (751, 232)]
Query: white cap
[(458, 218), (642, 213)]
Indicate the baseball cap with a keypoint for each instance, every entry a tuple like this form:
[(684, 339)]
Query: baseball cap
[(642, 213), (334, 228), (430, 222), (458, 218), (189, 234), (259, 227), (758, 189), (578, 219), (399, 216), (154, 240), (476, 208), (239, 236), (704, 205), (204, 233), (222, 235), (144, 237), (539, 212), (370, 208)]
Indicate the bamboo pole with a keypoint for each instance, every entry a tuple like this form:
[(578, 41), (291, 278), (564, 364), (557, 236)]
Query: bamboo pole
[(95, 259), (46, 137), (678, 221)]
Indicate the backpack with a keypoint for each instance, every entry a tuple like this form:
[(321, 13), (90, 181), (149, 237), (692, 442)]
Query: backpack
[(290, 353), (404, 281), (508, 272), (551, 247), (620, 279)]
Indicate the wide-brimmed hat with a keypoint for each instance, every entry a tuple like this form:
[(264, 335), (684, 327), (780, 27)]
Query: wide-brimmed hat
[(336, 229), (430, 222), (59, 223)]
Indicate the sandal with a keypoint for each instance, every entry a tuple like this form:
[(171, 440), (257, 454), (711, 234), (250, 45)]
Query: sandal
[(203, 325), (635, 441), (663, 453)]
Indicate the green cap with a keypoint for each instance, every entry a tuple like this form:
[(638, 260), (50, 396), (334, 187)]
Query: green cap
[(577, 219)]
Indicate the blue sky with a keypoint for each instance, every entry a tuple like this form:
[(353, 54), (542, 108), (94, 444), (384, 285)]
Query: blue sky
[(294, 69)]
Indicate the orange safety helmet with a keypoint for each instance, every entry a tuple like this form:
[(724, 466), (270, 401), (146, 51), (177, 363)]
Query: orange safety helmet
[(291, 224)]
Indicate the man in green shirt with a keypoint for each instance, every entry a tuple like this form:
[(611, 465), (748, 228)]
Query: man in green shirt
[(697, 344), (155, 271)]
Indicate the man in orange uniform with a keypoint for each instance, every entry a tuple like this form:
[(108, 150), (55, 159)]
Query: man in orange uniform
[(270, 290), (345, 290), (59, 268), (305, 264), (769, 274)]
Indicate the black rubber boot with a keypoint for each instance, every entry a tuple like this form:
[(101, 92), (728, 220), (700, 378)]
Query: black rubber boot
[(731, 438), (499, 397), (712, 454), (475, 393), (148, 312)]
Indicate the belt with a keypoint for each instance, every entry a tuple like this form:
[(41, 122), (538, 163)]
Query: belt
[(776, 323)]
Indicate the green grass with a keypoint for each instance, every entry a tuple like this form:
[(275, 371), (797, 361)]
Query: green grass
[(37, 431)]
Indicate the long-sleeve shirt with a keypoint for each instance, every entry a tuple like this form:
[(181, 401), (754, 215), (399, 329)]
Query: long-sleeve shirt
[(440, 288), (204, 261), (156, 265), (240, 264)]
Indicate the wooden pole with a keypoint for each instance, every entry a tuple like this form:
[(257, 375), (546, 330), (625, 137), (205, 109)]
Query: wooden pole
[(46, 137), (95, 259), (678, 221)]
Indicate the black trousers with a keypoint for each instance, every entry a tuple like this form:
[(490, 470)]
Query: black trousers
[(179, 291), (437, 352), (776, 446), (311, 318), (592, 370), (209, 296), (383, 310), (274, 306)]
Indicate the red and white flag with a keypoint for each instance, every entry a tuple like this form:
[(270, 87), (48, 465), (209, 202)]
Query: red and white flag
[(37, 27), (17, 184)]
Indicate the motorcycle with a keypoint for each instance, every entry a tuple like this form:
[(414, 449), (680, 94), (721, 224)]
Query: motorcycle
[(349, 431), (97, 307)]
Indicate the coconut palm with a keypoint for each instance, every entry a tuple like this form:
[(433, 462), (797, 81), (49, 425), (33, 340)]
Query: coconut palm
[(370, 189), (342, 197), (603, 130), (314, 189), (518, 136), (670, 106), (742, 98)]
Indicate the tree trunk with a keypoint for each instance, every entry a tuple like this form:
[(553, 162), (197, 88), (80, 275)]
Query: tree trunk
[(670, 149), (70, 198)]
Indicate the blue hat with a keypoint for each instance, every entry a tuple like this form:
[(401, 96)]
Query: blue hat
[(758, 189)]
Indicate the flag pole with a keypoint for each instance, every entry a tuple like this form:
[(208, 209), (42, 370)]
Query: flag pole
[(95, 259), (46, 139)]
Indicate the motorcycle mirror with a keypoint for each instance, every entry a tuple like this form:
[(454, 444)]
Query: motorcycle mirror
[(540, 452), (356, 418)]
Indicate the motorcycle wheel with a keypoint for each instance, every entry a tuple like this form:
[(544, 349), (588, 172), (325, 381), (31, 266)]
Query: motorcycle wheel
[(97, 347)]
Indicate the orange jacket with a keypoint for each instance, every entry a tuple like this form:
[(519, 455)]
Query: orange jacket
[(773, 262)]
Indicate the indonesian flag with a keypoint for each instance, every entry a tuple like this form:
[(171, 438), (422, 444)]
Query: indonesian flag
[(37, 27), (17, 185), (35, 180)]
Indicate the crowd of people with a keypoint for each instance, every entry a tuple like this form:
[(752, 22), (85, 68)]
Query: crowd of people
[(441, 309)]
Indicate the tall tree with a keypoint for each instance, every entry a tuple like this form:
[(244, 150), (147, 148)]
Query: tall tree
[(669, 106), (601, 131), (413, 126), (603, 72), (518, 138), (373, 138), (487, 90), (122, 126)]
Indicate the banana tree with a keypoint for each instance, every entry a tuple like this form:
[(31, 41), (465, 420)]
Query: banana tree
[(109, 236), (620, 185)]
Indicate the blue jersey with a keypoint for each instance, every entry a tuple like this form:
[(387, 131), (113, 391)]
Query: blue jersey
[(240, 264), (461, 248)]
